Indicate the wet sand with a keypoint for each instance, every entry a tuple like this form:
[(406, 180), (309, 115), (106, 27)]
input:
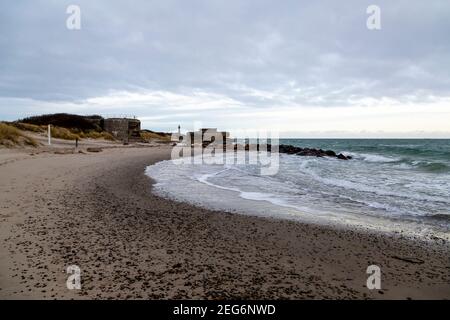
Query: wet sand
[(96, 211)]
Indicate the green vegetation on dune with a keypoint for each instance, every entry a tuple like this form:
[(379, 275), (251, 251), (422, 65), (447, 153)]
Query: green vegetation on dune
[(68, 121), (66, 126), (71, 127)]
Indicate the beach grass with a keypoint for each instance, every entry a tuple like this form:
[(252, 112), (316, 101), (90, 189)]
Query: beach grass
[(63, 133), (28, 127), (151, 136), (97, 135), (11, 136)]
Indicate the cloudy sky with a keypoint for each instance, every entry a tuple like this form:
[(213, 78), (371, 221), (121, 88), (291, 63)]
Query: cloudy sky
[(304, 68)]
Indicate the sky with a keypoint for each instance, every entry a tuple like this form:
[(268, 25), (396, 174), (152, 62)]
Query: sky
[(302, 68)]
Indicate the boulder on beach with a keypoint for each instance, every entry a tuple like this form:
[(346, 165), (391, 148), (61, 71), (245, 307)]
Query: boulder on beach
[(94, 149)]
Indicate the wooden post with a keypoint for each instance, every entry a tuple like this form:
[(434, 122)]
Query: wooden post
[(49, 135)]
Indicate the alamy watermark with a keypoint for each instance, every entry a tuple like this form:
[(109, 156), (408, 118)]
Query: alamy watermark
[(73, 22), (374, 20), (74, 280), (374, 279)]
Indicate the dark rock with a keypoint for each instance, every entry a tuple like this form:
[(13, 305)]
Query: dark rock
[(311, 152), (289, 149), (330, 153), (303, 153)]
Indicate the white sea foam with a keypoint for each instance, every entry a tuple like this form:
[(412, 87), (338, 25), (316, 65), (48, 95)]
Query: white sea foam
[(310, 189), (371, 157)]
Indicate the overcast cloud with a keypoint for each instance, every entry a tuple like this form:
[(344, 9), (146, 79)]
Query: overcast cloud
[(232, 64)]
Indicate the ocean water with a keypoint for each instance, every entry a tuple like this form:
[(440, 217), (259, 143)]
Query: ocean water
[(394, 183)]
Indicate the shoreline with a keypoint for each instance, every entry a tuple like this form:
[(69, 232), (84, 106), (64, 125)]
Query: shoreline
[(373, 225), (416, 230), (98, 211)]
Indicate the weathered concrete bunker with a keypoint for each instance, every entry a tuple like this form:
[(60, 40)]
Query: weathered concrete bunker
[(124, 129)]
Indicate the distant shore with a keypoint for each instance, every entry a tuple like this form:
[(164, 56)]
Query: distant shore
[(97, 211)]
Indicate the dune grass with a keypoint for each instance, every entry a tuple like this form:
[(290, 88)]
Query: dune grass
[(11, 136), (149, 136), (28, 127), (97, 135), (73, 133), (66, 120), (63, 133)]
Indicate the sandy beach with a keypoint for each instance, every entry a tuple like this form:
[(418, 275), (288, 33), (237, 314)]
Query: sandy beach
[(97, 211)]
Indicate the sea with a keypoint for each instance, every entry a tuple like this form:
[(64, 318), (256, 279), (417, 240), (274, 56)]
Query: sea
[(390, 185)]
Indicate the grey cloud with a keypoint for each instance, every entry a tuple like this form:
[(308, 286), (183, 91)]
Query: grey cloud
[(259, 53)]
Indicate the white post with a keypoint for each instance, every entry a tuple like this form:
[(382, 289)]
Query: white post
[(49, 135)]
